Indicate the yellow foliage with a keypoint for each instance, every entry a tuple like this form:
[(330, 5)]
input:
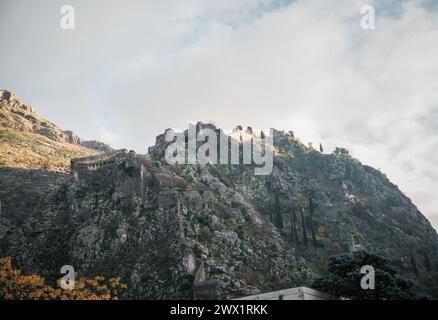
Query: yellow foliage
[(303, 204), (16, 286), (337, 247), (321, 232)]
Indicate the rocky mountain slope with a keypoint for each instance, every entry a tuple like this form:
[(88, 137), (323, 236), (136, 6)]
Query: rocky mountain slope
[(199, 231), (29, 141)]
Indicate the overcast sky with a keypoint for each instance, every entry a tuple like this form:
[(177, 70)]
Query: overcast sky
[(130, 69)]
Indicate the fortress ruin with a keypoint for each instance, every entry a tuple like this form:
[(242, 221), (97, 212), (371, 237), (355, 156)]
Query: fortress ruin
[(92, 163)]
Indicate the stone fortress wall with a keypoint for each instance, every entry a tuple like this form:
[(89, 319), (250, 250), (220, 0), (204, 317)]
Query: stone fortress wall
[(92, 163)]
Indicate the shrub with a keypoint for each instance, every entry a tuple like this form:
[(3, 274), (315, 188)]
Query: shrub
[(205, 235), (16, 286)]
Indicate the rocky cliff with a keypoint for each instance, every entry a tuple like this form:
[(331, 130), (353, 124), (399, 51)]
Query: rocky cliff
[(27, 140), (198, 231)]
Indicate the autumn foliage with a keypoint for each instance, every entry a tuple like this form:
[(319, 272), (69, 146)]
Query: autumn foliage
[(16, 286)]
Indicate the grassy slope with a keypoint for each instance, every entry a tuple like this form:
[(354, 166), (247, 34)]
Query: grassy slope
[(27, 150)]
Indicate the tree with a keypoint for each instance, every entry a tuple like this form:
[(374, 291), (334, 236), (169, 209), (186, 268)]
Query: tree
[(271, 210), (343, 278), (293, 225), (427, 263), (310, 144), (16, 286), (321, 149), (303, 222), (340, 151), (413, 263), (312, 208), (278, 216)]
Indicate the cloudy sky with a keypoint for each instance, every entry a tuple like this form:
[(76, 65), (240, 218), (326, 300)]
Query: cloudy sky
[(130, 69)]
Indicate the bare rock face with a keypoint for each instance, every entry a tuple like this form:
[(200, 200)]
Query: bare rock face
[(72, 137), (19, 116), (96, 145), (205, 231), (16, 115)]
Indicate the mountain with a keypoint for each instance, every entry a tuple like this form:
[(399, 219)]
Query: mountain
[(202, 231), (29, 141)]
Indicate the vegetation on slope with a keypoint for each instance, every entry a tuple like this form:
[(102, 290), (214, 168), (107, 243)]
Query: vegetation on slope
[(27, 150), (17, 286)]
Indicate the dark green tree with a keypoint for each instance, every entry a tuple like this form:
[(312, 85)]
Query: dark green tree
[(427, 263), (271, 211), (340, 151), (312, 208), (414, 263), (278, 216), (343, 278), (293, 226), (303, 222)]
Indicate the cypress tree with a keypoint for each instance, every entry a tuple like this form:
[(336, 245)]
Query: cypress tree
[(303, 221), (414, 263), (271, 218), (427, 263), (312, 207), (278, 216), (293, 226)]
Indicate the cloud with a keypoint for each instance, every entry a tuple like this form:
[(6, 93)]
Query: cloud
[(129, 71)]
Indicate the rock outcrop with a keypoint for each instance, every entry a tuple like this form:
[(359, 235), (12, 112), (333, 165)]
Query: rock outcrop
[(16, 115), (202, 231)]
